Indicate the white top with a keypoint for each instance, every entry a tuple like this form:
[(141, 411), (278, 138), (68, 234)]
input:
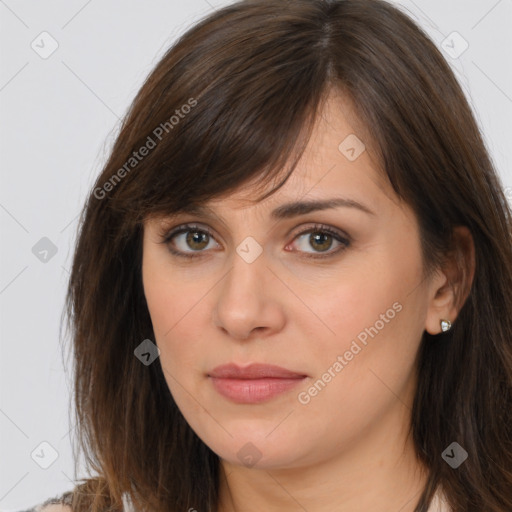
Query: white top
[(438, 503), (56, 504)]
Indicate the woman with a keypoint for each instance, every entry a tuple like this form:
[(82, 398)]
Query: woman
[(292, 287)]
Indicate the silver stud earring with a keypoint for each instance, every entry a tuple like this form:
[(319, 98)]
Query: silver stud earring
[(446, 325)]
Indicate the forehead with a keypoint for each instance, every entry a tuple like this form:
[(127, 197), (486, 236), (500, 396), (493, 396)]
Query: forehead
[(339, 161)]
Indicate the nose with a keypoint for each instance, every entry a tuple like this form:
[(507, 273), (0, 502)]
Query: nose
[(249, 300)]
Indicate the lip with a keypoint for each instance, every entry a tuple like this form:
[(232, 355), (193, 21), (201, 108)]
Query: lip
[(254, 383), (253, 371)]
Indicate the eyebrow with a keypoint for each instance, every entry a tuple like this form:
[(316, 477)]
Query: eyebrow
[(294, 209), (290, 210)]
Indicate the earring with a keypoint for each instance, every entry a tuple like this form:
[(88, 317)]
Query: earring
[(446, 325)]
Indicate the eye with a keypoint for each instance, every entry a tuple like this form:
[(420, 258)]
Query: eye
[(321, 238), (195, 238), (190, 240)]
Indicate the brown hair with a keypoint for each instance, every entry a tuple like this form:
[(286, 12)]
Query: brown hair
[(233, 100)]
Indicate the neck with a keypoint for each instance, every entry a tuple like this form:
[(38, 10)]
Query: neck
[(378, 473)]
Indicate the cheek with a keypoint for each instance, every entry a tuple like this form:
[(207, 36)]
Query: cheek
[(367, 304), (361, 376), (175, 322), (172, 313), (372, 325), (381, 336), (178, 338)]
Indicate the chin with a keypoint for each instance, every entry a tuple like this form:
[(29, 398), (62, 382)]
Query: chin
[(256, 449)]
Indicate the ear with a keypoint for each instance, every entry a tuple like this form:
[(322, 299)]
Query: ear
[(450, 285)]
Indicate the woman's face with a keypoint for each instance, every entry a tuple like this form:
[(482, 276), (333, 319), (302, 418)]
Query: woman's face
[(334, 295)]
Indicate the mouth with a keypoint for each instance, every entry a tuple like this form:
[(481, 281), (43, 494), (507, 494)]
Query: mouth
[(255, 383)]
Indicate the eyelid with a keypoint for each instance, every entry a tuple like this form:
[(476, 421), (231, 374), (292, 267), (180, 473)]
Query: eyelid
[(319, 226), (340, 236), (166, 234)]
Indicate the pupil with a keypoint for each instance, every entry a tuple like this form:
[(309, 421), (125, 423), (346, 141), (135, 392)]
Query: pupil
[(195, 237), (319, 236)]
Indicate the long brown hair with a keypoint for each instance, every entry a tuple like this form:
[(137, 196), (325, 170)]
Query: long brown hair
[(233, 100)]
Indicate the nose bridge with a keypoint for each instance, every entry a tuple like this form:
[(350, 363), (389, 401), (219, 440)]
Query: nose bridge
[(245, 299), (248, 267)]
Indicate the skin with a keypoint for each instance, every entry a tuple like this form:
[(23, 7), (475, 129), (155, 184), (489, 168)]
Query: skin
[(347, 449)]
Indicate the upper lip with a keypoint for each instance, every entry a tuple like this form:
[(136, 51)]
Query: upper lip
[(253, 371)]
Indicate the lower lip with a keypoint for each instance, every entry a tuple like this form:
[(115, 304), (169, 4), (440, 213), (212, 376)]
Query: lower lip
[(252, 391)]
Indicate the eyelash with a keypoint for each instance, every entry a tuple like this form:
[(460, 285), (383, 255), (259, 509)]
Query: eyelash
[(166, 236)]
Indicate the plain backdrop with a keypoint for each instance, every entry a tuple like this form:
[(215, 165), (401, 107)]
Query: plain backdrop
[(60, 112)]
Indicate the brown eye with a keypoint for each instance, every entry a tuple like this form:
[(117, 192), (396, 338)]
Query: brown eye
[(321, 239), (188, 241), (196, 240)]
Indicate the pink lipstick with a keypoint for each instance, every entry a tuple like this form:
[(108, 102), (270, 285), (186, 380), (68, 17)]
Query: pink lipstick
[(254, 383)]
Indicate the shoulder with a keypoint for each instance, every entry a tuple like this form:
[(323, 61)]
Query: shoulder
[(56, 507), (60, 503), (63, 502), (92, 490)]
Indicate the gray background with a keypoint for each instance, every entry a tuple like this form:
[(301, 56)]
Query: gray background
[(60, 115)]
